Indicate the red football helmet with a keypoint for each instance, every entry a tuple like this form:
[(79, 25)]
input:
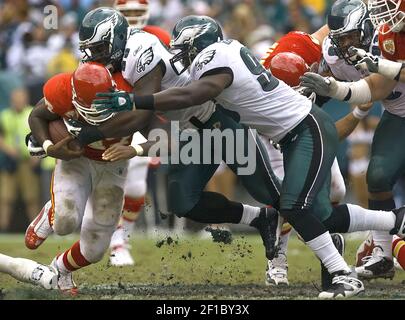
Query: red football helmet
[(288, 67), (387, 12), (136, 11), (88, 79)]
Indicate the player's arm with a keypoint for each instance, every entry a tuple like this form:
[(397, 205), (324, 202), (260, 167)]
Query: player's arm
[(373, 88), (206, 88), (38, 120), (321, 33), (347, 124), (121, 152)]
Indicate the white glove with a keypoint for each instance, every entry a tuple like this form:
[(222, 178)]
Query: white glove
[(34, 148), (366, 61)]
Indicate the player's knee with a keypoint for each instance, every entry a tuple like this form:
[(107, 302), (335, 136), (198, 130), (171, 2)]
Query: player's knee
[(107, 206), (378, 180), (66, 217), (94, 252)]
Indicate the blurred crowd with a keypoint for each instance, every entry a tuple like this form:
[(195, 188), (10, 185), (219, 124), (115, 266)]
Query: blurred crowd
[(31, 53)]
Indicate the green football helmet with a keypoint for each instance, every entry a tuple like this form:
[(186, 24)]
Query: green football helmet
[(103, 36), (190, 36)]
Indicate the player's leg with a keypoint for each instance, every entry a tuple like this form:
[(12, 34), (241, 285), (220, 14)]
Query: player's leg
[(70, 188), (29, 271), (337, 185), (309, 151), (386, 165), (99, 222), (135, 190)]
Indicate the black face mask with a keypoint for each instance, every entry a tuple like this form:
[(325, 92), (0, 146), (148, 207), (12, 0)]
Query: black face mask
[(342, 42), (97, 52)]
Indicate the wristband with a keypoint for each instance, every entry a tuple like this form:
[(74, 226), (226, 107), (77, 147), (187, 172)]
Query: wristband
[(359, 114), (144, 102), (139, 150), (46, 145)]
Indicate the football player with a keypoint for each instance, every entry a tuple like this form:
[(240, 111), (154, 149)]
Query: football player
[(384, 83), (146, 64), (306, 134), (137, 14), (27, 270), (85, 190)]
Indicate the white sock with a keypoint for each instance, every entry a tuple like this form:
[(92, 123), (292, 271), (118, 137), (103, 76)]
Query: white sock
[(383, 240), (128, 227), (364, 219), (249, 213), (118, 238), (284, 242), (326, 251)]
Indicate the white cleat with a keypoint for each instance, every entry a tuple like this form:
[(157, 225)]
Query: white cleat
[(65, 282), (376, 266), (39, 229), (121, 256), (45, 276), (276, 273), (344, 285)]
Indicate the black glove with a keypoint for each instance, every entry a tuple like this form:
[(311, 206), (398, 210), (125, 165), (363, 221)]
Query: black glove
[(34, 148)]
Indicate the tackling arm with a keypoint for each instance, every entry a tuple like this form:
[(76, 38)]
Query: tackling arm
[(38, 121)]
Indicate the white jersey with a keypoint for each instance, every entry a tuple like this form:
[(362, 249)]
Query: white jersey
[(143, 53), (262, 101), (394, 103)]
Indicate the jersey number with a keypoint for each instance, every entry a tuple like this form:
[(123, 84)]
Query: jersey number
[(265, 78)]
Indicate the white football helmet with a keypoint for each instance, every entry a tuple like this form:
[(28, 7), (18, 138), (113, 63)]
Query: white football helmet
[(136, 11), (387, 12)]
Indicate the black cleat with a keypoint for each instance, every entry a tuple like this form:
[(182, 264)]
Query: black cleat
[(399, 227), (326, 277), (269, 224), (344, 285)]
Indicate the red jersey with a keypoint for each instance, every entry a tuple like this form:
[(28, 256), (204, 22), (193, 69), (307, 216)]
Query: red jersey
[(300, 43), (58, 99), (162, 34), (392, 45)]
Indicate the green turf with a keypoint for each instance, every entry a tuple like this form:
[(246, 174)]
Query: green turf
[(188, 268)]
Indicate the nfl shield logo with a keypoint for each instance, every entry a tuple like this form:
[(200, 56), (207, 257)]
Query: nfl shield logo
[(389, 46)]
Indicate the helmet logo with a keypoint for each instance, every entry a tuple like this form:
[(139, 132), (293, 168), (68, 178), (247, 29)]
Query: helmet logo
[(189, 33), (389, 46), (104, 29), (145, 59), (204, 59)]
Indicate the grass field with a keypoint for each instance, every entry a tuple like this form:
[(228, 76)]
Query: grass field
[(188, 268)]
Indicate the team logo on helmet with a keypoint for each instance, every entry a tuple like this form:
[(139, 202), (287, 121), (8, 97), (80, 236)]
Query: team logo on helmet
[(104, 29), (189, 33), (145, 59), (389, 46), (204, 59)]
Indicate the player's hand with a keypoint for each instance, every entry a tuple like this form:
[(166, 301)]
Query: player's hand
[(62, 151), (113, 102), (119, 152), (74, 127), (313, 82), (34, 148), (363, 60)]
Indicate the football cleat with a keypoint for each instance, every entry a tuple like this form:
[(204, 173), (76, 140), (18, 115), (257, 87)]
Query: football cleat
[(376, 266), (344, 285), (269, 224), (276, 273), (45, 276), (326, 277), (39, 229), (121, 256), (365, 250), (65, 282)]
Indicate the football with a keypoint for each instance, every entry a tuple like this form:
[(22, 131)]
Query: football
[(58, 132)]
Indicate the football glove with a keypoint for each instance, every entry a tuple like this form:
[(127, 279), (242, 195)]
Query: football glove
[(363, 60), (74, 127), (313, 82), (114, 102), (34, 148)]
